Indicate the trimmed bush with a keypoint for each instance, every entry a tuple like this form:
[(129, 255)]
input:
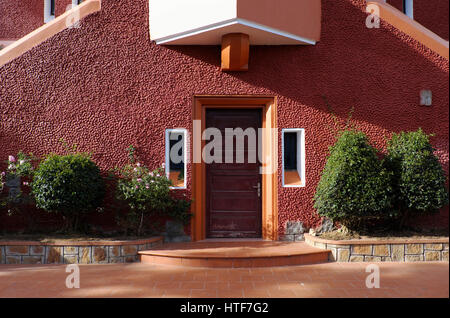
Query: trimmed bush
[(418, 178), (353, 185), (69, 185)]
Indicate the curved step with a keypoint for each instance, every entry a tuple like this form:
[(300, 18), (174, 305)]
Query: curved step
[(235, 254)]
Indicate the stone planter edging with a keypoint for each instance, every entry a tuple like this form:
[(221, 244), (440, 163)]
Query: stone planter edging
[(395, 250), (74, 252)]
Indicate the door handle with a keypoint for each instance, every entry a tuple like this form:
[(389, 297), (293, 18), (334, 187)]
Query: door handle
[(258, 187)]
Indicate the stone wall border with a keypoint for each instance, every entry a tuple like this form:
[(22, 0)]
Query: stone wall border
[(74, 252), (393, 250)]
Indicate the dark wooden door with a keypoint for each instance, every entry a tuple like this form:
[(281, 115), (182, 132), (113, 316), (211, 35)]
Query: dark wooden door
[(233, 200)]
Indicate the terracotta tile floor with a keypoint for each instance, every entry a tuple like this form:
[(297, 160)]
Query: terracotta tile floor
[(143, 280)]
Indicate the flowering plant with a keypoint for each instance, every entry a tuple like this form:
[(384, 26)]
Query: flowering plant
[(16, 179), (142, 188), (19, 166), (145, 191)]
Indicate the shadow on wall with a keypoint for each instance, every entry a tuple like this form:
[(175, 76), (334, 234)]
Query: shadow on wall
[(379, 72), (105, 95)]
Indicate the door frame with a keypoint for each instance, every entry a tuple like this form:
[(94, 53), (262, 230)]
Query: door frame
[(269, 150)]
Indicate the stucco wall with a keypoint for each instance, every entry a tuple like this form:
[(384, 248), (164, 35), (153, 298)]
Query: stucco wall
[(18, 18), (396, 3), (433, 14), (61, 6), (105, 86)]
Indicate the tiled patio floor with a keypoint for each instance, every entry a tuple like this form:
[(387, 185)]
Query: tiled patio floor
[(420, 279)]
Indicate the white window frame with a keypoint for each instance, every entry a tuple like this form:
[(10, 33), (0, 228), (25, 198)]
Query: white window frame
[(167, 151), (301, 156), (47, 16), (408, 8)]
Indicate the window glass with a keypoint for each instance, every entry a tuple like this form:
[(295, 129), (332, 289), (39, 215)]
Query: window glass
[(176, 157), (408, 8), (52, 7), (293, 157)]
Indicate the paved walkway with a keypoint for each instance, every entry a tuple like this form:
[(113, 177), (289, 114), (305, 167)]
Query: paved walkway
[(142, 280)]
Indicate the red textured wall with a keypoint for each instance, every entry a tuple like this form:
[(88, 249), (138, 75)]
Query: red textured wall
[(433, 14), (18, 18), (105, 86), (61, 6), (396, 3)]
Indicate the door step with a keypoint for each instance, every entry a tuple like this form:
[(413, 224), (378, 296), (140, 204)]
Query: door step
[(235, 254)]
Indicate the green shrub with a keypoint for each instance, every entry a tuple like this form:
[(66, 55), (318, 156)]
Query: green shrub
[(144, 191), (178, 209), (147, 193), (70, 185), (353, 185), (418, 178)]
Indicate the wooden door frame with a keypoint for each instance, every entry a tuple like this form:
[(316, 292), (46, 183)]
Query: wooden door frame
[(269, 150)]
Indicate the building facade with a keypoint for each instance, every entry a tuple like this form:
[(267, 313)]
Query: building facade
[(122, 77)]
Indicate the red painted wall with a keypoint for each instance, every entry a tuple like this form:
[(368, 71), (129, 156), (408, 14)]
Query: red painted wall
[(105, 86), (61, 6), (433, 14), (396, 3), (18, 18)]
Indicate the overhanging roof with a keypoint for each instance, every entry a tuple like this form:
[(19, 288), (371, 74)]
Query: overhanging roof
[(204, 22)]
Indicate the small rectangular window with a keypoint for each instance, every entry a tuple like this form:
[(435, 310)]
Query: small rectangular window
[(293, 140), (176, 157), (49, 10), (52, 7), (408, 8)]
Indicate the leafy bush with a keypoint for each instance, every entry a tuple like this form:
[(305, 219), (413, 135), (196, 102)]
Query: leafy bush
[(178, 209), (20, 165), (418, 178), (15, 180), (70, 185), (353, 185), (147, 193)]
